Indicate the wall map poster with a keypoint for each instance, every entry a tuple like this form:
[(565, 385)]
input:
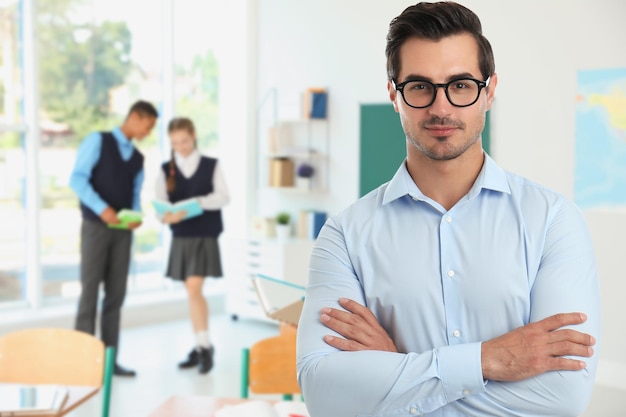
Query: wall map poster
[(600, 176)]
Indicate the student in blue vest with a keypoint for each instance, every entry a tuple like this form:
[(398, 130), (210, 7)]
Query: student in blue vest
[(194, 252), (107, 177)]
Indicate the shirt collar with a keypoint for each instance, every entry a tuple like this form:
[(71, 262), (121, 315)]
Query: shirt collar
[(121, 139), (185, 160), (491, 177)]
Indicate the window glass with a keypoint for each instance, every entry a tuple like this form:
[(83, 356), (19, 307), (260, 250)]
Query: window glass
[(196, 37), (12, 163), (96, 57)]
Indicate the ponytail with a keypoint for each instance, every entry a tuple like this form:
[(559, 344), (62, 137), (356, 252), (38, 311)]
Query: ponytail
[(171, 177)]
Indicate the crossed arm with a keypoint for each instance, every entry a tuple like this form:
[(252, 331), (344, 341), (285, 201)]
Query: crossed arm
[(520, 354)]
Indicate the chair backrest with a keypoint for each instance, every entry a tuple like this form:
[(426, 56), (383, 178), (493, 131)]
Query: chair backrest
[(51, 356), (269, 367)]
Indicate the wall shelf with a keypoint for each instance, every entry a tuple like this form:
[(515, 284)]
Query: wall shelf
[(285, 144)]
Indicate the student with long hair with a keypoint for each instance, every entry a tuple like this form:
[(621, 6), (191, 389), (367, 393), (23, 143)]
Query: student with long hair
[(194, 252)]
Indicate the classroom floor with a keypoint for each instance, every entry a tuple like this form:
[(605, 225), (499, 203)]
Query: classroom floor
[(154, 350)]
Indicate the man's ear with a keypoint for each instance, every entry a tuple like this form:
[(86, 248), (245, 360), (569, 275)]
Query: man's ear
[(491, 90), (392, 95)]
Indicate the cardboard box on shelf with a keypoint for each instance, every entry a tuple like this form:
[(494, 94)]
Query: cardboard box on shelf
[(282, 172)]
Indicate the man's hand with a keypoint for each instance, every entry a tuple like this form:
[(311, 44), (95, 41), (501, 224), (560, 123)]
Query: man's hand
[(173, 218), (109, 216), (537, 348), (134, 225), (358, 326)]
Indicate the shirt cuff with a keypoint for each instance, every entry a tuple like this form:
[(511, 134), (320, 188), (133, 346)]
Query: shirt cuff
[(461, 372), (98, 207)]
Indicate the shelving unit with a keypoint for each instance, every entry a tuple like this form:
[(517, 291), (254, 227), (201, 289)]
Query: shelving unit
[(285, 145)]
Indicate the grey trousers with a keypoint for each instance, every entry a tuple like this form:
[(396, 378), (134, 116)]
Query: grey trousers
[(105, 257)]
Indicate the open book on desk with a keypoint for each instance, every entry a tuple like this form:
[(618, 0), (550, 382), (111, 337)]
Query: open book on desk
[(32, 400), (281, 300), (259, 408), (190, 206)]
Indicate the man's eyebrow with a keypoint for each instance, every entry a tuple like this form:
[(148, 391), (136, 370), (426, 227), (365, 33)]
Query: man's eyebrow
[(417, 77)]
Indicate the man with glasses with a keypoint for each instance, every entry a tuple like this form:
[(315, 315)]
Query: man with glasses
[(457, 288)]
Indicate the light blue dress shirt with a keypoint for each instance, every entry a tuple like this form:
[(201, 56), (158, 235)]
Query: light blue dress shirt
[(86, 159), (440, 282)]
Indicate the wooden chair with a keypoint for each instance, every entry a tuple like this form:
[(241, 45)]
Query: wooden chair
[(57, 356), (269, 367)]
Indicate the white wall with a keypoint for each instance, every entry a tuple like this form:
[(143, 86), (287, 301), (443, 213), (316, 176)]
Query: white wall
[(539, 45)]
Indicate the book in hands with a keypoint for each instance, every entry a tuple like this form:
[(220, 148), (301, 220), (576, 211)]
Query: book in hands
[(32, 400), (127, 217), (190, 206)]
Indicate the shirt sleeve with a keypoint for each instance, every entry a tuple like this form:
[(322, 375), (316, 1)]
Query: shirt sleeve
[(414, 383), (220, 195), (87, 157)]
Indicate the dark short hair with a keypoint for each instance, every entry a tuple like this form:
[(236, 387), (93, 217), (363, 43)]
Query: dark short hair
[(435, 21), (144, 108)]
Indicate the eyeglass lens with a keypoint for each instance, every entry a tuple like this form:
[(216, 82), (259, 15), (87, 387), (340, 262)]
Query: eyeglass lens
[(422, 93)]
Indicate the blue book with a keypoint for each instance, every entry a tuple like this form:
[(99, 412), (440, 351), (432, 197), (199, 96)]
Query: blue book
[(315, 223), (318, 105), (191, 206)]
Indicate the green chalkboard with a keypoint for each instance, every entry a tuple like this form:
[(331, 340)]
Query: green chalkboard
[(383, 145)]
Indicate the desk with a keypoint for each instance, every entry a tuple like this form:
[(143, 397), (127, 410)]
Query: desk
[(77, 396), (192, 406)]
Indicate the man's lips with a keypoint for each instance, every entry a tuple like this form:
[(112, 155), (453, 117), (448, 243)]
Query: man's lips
[(441, 130)]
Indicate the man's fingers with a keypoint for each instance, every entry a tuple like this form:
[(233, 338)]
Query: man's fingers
[(346, 324), (561, 320), (360, 310), (573, 336), (566, 348), (343, 344), (565, 364)]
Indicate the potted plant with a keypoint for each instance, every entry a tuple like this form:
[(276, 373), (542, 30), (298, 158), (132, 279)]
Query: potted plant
[(303, 175), (283, 228)]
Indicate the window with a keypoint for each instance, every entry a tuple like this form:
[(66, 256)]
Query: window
[(94, 58), (12, 158)]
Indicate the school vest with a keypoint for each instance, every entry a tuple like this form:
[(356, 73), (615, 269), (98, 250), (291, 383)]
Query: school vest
[(209, 223), (112, 177)]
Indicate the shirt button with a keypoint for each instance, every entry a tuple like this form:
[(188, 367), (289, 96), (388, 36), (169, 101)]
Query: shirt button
[(448, 219), (450, 273), (413, 410), (414, 198), (456, 333), (466, 392)]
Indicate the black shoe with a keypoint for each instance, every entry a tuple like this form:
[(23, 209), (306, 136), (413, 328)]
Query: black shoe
[(205, 359), (191, 361), (121, 371)]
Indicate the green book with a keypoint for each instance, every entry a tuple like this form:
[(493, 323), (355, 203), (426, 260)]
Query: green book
[(126, 216)]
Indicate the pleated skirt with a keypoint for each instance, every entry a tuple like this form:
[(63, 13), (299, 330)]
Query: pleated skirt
[(194, 256)]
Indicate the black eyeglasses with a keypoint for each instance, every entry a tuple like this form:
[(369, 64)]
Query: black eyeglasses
[(462, 92)]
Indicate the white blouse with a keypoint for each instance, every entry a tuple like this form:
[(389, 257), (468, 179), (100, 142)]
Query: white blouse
[(188, 166)]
